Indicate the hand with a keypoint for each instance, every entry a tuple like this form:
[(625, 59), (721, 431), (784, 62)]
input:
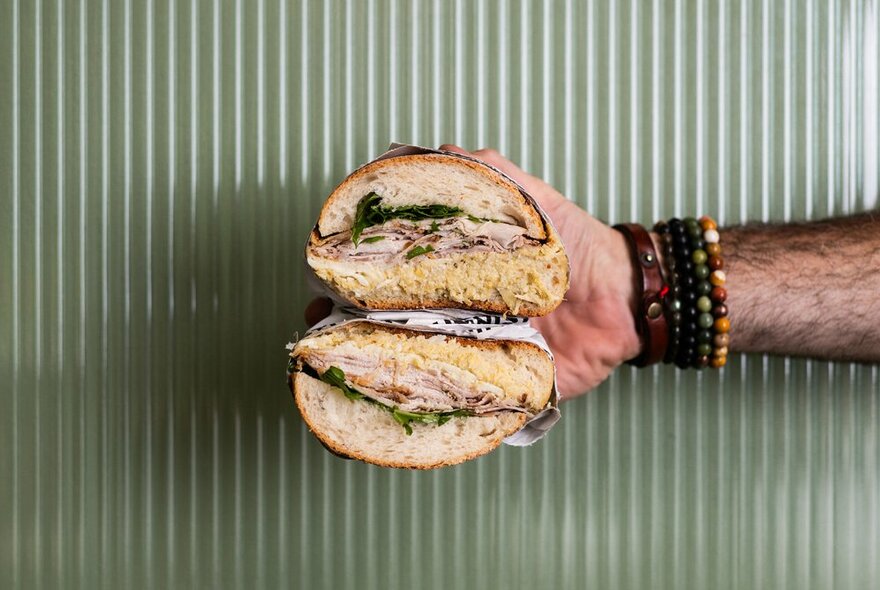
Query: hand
[(593, 331)]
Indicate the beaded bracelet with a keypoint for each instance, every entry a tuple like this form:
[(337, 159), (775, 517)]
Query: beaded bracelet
[(718, 295), (692, 294), (696, 313), (672, 300), (701, 303), (688, 275)]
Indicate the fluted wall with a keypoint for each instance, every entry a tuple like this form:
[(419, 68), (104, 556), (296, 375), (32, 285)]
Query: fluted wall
[(160, 166)]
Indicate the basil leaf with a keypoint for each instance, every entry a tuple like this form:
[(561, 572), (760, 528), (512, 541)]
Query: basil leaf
[(418, 251), (373, 239), (434, 227)]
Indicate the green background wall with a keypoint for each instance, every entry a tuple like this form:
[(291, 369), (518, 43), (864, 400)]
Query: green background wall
[(160, 166)]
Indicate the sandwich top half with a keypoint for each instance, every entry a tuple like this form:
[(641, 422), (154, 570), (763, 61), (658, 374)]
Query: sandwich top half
[(437, 231)]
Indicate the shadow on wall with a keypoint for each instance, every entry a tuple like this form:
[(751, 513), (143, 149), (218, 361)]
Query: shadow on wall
[(240, 294)]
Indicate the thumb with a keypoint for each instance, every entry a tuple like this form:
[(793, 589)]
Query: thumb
[(547, 196)]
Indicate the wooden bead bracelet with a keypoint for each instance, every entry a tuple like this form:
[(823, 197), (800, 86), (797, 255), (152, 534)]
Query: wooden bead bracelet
[(695, 298), (718, 295)]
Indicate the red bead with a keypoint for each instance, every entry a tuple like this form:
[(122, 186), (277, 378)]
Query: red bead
[(718, 294), (716, 263), (720, 311)]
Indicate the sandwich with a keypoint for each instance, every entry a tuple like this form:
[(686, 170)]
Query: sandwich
[(432, 230), (416, 398)]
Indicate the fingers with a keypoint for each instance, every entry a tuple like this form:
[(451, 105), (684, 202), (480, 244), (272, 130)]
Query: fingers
[(451, 147), (546, 195), (491, 156), (529, 182), (317, 310)]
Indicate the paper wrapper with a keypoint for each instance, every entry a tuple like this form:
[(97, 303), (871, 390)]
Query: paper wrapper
[(457, 322), (466, 324)]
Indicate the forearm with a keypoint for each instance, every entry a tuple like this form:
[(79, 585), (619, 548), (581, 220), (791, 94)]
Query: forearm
[(810, 289)]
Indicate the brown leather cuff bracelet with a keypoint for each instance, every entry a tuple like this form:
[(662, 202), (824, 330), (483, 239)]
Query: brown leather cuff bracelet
[(650, 321)]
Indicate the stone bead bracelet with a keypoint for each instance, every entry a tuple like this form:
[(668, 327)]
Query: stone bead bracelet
[(718, 294), (694, 301)]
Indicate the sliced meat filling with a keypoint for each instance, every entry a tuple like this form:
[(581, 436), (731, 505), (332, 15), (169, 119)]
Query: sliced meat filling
[(408, 388), (395, 240)]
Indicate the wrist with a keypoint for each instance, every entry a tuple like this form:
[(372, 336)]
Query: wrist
[(625, 274)]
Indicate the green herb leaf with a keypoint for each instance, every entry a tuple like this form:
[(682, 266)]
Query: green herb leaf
[(418, 251), (476, 219), (360, 217), (434, 227), (373, 239), (411, 415), (417, 212), (369, 213), (335, 376), (403, 418), (438, 418)]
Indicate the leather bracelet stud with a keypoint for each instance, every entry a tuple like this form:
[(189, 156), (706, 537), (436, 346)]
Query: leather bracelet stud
[(651, 324)]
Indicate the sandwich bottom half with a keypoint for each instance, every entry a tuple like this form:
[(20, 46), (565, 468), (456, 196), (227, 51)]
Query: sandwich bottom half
[(408, 398)]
